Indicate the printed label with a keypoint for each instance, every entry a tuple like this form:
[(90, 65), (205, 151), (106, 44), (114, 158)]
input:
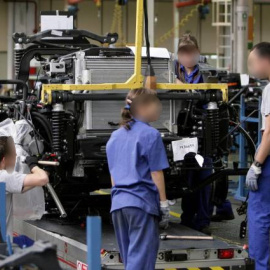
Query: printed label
[(184, 146), (57, 33)]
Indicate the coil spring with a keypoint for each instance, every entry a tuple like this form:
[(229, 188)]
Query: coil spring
[(17, 59), (213, 120), (57, 130)]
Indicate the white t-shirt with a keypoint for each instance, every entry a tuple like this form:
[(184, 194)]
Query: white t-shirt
[(265, 107), (14, 184)]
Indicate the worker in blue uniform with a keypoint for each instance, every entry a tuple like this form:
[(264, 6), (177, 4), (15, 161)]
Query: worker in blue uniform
[(258, 176), (186, 67), (136, 158), (195, 207)]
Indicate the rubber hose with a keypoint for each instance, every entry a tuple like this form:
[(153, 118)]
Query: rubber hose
[(45, 126)]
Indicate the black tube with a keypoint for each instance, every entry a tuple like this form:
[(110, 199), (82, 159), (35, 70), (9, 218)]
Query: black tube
[(67, 97), (187, 114), (146, 32), (247, 136), (36, 116), (217, 175), (237, 95), (18, 82)]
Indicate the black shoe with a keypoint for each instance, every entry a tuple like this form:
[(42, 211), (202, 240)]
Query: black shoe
[(221, 217)]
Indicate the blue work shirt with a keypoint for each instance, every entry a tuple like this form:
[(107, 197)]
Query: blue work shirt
[(193, 77), (132, 156)]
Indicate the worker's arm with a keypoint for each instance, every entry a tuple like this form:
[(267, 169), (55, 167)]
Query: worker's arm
[(37, 178), (158, 178), (255, 170), (264, 149)]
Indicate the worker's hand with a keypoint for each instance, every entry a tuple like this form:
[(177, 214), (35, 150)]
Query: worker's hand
[(252, 177), (31, 161), (165, 215)]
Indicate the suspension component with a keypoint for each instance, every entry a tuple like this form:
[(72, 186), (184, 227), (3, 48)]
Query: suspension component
[(18, 53), (212, 128), (57, 127)]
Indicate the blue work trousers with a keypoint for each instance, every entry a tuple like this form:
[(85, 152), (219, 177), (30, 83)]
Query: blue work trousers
[(196, 206), (137, 235), (259, 219), (224, 209)]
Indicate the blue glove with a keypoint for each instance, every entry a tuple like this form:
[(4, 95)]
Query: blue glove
[(252, 177), (165, 215)]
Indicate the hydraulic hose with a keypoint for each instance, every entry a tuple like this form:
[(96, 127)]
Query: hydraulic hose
[(44, 123), (247, 136)]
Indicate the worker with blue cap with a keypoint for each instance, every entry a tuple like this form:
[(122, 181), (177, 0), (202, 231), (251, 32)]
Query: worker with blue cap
[(258, 176)]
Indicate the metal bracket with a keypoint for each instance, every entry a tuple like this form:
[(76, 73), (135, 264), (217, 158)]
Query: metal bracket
[(22, 38)]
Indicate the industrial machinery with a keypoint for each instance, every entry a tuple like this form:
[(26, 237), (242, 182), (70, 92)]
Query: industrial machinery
[(73, 106), (72, 121)]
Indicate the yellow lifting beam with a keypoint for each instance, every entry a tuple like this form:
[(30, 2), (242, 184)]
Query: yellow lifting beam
[(136, 80)]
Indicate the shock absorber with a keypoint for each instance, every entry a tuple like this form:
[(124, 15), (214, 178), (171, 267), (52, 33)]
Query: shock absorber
[(18, 53), (57, 127), (213, 126)]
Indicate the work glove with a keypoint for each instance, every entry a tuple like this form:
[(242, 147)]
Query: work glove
[(165, 215), (31, 161), (252, 177)]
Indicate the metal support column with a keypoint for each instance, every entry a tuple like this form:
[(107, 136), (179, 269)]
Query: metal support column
[(241, 36), (151, 21), (250, 24), (176, 18), (93, 243)]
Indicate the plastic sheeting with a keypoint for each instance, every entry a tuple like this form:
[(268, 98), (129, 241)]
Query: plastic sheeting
[(29, 205)]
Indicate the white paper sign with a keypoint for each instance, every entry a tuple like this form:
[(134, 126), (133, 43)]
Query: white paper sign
[(184, 146)]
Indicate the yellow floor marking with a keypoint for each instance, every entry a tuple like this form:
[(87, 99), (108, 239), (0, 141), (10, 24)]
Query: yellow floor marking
[(170, 269), (193, 268), (228, 241), (101, 192), (216, 268), (174, 214)]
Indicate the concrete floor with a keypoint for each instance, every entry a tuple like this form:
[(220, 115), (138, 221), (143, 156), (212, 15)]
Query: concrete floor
[(227, 231)]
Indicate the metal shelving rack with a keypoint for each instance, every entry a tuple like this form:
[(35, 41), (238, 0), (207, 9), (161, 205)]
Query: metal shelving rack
[(243, 155)]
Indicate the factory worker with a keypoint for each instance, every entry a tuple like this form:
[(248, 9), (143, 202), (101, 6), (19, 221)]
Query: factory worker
[(17, 182), (136, 158), (196, 207), (258, 176), (186, 67)]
